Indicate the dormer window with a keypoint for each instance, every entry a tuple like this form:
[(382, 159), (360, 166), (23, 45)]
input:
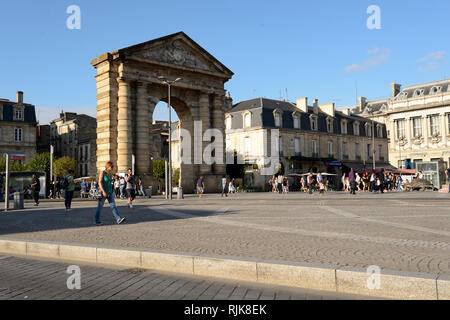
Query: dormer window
[(228, 122), (344, 126), (368, 129), (247, 119), (435, 90), (356, 128), (329, 123), (296, 120), (18, 113), (418, 93), (313, 121), (277, 117), (379, 131)]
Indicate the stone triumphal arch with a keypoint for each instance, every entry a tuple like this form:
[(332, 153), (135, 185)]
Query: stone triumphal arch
[(128, 88)]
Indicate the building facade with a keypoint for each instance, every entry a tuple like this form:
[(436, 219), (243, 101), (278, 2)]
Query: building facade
[(417, 118), (74, 136), (311, 138), (18, 128)]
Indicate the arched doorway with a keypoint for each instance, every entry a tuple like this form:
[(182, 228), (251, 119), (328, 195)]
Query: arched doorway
[(129, 88)]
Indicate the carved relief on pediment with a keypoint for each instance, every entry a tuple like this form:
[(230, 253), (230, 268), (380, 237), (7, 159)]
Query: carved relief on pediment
[(177, 53)]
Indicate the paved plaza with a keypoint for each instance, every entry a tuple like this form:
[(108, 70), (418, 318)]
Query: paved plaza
[(395, 231), (32, 279)]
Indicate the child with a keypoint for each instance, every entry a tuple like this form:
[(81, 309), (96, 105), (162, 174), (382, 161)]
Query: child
[(321, 188)]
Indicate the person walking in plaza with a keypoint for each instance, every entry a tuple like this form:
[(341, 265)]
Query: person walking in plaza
[(83, 187), (231, 187), (200, 186), (358, 181), (310, 182), (122, 187), (116, 186), (351, 178), (69, 190), (372, 181), (131, 188), (35, 189), (224, 186), (105, 181), (280, 183), (344, 182)]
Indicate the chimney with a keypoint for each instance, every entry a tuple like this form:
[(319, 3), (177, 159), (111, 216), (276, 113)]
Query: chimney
[(346, 111), (302, 104), (396, 88), (328, 109), (316, 106), (19, 97), (362, 103)]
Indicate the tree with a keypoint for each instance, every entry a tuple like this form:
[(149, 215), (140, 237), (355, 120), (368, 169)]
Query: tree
[(176, 177), (159, 171), (13, 165), (40, 163), (63, 165)]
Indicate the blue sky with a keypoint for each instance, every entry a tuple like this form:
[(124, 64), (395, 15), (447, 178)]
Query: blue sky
[(320, 49)]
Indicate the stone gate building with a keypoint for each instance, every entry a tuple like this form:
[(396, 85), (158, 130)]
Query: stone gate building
[(129, 87)]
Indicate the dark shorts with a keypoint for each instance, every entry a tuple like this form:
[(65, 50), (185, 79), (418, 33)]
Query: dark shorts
[(131, 193)]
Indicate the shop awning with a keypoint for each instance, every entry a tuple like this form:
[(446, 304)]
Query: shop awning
[(361, 167)]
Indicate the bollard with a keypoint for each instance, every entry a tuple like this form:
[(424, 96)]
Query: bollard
[(180, 194), (148, 191), (18, 200)]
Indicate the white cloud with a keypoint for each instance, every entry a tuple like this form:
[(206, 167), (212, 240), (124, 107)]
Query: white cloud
[(46, 114), (432, 61), (376, 57)]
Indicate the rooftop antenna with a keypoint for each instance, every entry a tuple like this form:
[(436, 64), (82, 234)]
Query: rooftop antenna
[(287, 96), (281, 96)]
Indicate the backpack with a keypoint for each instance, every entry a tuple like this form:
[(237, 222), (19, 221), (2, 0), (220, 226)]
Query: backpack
[(64, 183)]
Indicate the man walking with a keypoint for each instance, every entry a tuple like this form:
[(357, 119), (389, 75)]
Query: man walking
[(200, 186), (69, 190), (105, 183), (131, 188), (35, 189)]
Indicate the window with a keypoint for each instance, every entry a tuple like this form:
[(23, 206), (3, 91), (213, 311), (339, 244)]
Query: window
[(277, 119), (434, 125), (313, 123), (329, 127), (297, 146), (247, 146), (296, 122), (314, 148), (417, 127), (344, 150), (247, 120), (369, 151), (380, 155), (344, 127), (369, 129), (18, 115), (379, 131), (400, 129), (228, 123), (330, 148), (356, 128), (18, 134)]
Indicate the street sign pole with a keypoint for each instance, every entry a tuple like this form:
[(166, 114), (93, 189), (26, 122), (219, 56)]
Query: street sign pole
[(51, 163)]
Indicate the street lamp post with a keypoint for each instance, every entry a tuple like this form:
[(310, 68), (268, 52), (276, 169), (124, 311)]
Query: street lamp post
[(169, 84)]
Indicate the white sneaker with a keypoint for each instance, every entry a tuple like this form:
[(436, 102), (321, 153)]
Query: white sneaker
[(131, 206)]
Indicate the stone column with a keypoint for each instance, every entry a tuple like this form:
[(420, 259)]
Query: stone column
[(142, 131), (204, 117), (124, 130), (218, 117), (425, 130), (443, 130)]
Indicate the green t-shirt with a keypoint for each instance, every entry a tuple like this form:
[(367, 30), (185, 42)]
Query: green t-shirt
[(107, 183), (71, 185)]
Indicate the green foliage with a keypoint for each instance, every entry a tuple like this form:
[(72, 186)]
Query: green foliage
[(63, 165), (40, 162), (158, 169), (176, 177), (13, 165)]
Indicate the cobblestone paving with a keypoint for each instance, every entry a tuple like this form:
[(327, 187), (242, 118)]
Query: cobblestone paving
[(32, 279), (396, 231)]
